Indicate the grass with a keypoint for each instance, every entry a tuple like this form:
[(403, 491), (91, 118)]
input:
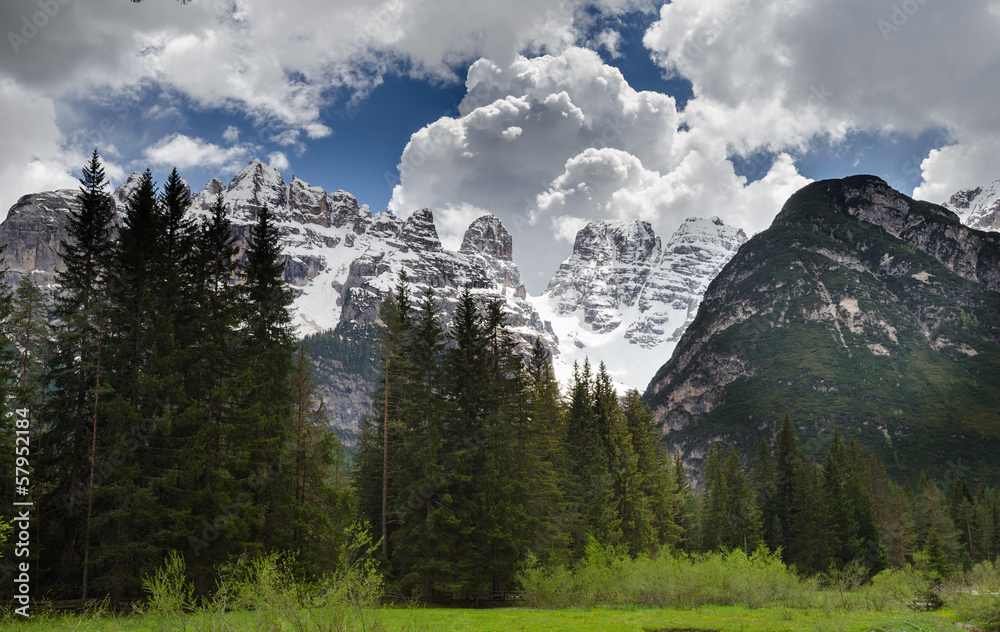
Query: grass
[(722, 618)]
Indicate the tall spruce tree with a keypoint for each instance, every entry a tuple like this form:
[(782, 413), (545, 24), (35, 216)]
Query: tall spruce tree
[(130, 417), (418, 550), (78, 309), (547, 502), (654, 468), (267, 394), (590, 485), (467, 442), (632, 505)]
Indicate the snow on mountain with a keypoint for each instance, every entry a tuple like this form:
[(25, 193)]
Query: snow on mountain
[(624, 298), (978, 208), (341, 261)]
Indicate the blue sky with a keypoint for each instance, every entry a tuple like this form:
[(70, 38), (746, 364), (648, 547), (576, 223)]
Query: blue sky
[(547, 113)]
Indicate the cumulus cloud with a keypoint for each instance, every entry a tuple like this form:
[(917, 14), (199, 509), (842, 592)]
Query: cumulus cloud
[(278, 160), (231, 135), (183, 152), (781, 73), (34, 156), (589, 147), (278, 64), (958, 167)]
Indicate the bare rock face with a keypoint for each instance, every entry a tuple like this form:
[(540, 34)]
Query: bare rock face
[(419, 233), (32, 232), (488, 242)]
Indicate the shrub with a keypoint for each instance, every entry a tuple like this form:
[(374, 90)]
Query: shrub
[(975, 595), (608, 577)]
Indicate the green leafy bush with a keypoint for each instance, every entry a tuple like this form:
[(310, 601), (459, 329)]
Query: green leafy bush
[(607, 577)]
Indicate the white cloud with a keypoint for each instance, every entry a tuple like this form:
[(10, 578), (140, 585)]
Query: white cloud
[(183, 152), (589, 147), (777, 74), (565, 227), (231, 135), (958, 167), (278, 160), (34, 156), (610, 40), (276, 63)]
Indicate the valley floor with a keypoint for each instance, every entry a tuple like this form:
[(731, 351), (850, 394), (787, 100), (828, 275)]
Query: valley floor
[(721, 618)]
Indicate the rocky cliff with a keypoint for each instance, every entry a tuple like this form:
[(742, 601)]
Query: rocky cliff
[(859, 307)]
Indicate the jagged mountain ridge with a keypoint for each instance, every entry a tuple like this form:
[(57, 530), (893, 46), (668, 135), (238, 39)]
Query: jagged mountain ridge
[(625, 298), (341, 261), (858, 307)]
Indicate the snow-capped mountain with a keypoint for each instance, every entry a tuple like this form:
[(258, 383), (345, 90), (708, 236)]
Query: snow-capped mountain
[(624, 298), (978, 208), (342, 261)]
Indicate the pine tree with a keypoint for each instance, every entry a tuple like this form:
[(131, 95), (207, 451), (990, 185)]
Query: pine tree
[(375, 468), (786, 469), (740, 527), (418, 551), (467, 437), (545, 432), (266, 389), (809, 545), (590, 486), (29, 331), (510, 466), (765, 488), (845, 544), (315, 511), (132, 418), (654, 468), (79, 310), (687, 509)]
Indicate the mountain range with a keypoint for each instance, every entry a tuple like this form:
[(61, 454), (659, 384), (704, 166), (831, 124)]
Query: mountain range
[(623, 297)]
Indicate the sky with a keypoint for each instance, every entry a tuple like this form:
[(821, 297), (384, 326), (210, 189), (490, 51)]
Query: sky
[(546, 113)]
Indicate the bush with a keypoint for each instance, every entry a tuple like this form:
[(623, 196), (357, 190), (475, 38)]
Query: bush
[(608, 577), (975, 595), (267, 589)]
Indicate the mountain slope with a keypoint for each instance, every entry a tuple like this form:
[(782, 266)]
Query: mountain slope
[(858, 307)]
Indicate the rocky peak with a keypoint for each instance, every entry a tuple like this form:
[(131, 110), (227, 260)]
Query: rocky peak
[(963, 199), (33, 230), (308, 202), (386, 224), (696, 234), (488, 241), (488, 235), (837, 315), (124, 192), (214, 187), (418, 232), (628, 242), (258, 184), (344, 210)]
